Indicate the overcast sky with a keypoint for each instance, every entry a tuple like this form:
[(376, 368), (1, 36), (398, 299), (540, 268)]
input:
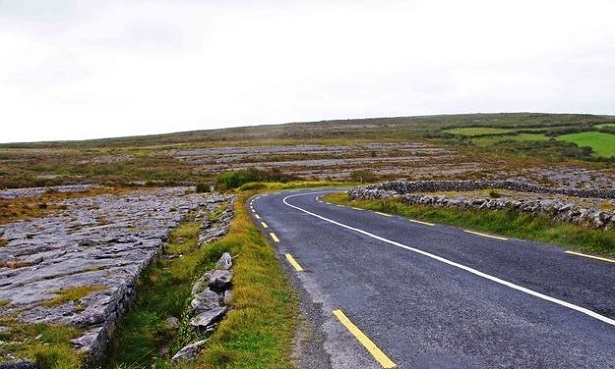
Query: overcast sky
[(74, 69)]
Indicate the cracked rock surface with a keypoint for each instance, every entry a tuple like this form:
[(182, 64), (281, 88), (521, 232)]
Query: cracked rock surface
[(102, 241)]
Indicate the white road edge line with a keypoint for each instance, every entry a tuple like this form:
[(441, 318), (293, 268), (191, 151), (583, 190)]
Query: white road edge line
[(460, 266)]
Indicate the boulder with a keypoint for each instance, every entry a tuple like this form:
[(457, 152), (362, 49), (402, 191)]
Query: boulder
[(225, 262), (205, 300), (219, 279), (209, 317), (189, 352)]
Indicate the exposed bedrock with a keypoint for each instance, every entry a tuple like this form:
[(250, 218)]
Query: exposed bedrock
[(99, 244)]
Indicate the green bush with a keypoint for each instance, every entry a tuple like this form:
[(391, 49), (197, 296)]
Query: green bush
[(253, 186), (237, 178), (203, 187), (363, 175)]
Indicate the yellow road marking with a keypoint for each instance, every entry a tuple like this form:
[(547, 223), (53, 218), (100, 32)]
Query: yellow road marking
[(487, 235), (264, 225), (274, 237), (256, 216), (294, 263), (365, 341), (423, 223), (383, 214), (591, 256)]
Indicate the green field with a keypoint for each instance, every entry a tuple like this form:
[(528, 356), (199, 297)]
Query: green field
[(478, 131), (603, 144), (605, 125), (486, 141)]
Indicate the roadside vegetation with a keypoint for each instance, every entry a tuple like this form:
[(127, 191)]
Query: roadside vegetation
[(256, 333), (505, 223), (47, 344)]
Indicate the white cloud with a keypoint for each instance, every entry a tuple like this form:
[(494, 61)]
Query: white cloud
[(90, 68)]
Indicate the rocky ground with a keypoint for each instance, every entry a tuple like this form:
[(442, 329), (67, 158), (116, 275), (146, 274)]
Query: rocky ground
[(336, 162), (98, 245)]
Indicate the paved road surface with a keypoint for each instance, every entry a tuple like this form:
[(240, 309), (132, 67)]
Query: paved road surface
[(435, 296)]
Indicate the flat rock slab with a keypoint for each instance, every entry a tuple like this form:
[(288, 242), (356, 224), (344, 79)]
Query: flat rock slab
[(209, 317), (102, 241)]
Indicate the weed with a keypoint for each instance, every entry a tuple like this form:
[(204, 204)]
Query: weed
[(3, 242), (163, 290), (253, 186), (494, 194), (15, 264), (46, 344), (203, 187), (237, 178), (72, 294), (363, 176), (4, 302)]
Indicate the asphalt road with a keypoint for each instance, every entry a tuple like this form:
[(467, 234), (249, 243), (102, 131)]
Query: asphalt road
[(437, 296)]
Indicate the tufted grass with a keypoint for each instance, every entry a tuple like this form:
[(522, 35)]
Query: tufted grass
[(47, 344), (162, 292), (259, 330), (505, 223), (72, 294)]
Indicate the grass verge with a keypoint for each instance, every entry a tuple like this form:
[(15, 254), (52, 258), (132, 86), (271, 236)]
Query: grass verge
[(47, 344), (505, 223), (143, 338), (257, 333)]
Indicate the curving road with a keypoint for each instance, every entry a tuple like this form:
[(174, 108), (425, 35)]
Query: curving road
[(386, 292)]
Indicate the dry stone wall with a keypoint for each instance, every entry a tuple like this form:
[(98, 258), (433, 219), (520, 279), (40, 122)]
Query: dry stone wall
[(559, 209), (102, 241)]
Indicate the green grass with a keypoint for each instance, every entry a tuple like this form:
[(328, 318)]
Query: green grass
[(487, 141), (603, 144), (46, 344), (257, 333), (505, 223), (162, 292), (72, 294), (605, 125), (478, 131)]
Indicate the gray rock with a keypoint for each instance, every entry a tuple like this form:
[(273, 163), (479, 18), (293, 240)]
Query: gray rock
[(104, 240), (225, 262), (219, 279), (209, 317), (171, 323), (227, 297), (189, 352), (20, 365), (568, 212), (205, 300)]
